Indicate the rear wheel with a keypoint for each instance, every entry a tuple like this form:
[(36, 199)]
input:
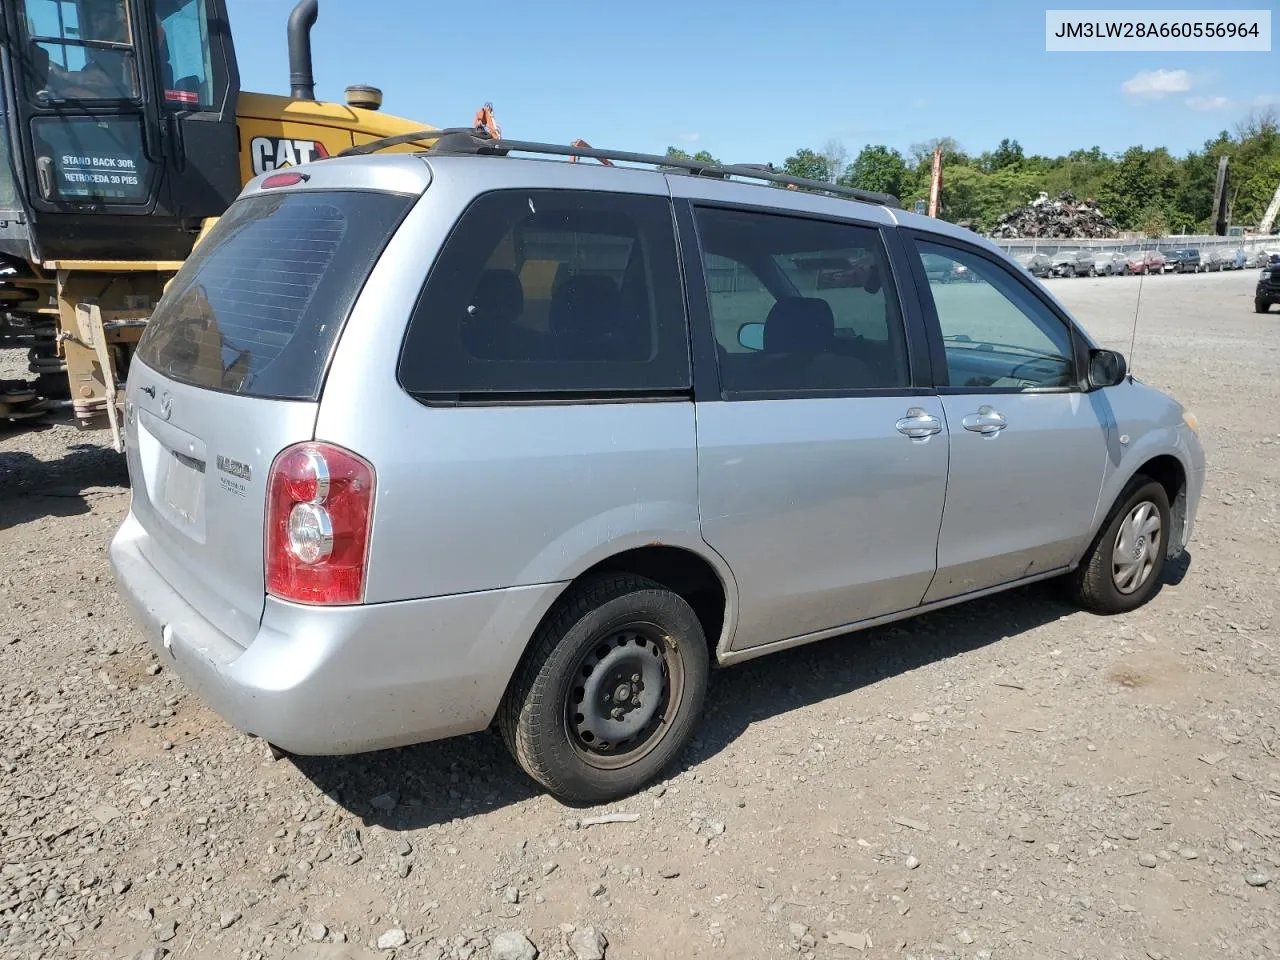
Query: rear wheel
[(610, 690), (1122, 568)]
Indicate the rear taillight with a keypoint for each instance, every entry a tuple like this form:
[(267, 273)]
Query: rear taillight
[(319, 508)]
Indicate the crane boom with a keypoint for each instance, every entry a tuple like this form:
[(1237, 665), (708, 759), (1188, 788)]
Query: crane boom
[(1269, 218)]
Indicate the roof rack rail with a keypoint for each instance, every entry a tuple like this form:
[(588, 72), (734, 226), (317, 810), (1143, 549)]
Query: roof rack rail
[(469, 140)]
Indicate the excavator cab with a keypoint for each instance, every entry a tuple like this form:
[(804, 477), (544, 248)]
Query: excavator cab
[(119, 127)]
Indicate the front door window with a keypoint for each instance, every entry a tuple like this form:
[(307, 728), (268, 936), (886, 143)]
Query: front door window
[(997, 334), (80, 50)]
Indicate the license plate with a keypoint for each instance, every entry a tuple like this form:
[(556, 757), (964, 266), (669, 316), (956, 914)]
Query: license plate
[(183, 486)]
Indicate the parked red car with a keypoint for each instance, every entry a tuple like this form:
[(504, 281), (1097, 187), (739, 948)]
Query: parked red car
[(1146, 261)]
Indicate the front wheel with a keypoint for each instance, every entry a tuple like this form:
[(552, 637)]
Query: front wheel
[(610, 691), (1122, 568), (1261, 306)]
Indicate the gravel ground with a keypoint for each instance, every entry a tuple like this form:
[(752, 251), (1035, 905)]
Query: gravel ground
[(1011, 778)]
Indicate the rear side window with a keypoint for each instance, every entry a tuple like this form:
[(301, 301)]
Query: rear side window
[(257, 308), (552, 292), (801, 304)]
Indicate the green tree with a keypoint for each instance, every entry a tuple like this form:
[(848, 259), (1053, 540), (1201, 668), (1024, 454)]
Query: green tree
[(952, 153), (1008, 154), (808, 164), (1144, 181), (878, 168), (702, 156), (1140, 188)]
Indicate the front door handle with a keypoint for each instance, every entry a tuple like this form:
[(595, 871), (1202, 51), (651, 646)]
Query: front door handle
[(987, 421), (918, 424)]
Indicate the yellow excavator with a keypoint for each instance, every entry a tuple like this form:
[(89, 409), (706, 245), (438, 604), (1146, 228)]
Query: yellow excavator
[(123, 135)]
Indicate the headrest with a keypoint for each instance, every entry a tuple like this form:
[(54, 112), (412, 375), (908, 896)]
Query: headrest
[(799, 325), (585, 306)]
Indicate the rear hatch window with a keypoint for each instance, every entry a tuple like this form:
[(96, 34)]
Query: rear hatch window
[(257, 308)]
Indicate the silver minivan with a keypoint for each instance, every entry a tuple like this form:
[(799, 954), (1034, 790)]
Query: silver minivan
[(424, 443)]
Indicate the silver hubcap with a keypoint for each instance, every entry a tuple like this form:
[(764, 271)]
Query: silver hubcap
[(1137, 548)]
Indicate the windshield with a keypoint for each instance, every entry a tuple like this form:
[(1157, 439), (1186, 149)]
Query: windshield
[(80, 50)]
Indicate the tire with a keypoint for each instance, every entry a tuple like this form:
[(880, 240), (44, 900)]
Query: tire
[(1095, 584), (1261, 306), (602, 635)]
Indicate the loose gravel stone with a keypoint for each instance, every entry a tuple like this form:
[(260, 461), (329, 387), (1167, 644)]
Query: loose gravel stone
[(392, 939), (588, 943), (512, 945)]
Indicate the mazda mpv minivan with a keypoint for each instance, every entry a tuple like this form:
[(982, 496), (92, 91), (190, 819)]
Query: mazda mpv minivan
[(424, 443)]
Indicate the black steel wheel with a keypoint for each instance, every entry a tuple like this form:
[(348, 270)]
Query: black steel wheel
[(619, 697), (610, 689)]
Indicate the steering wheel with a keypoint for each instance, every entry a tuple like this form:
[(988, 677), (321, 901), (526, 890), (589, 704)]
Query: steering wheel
[(1014, 375)]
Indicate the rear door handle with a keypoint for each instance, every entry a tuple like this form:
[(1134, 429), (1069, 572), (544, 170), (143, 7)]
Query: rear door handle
[(918, 424), (987, 421)]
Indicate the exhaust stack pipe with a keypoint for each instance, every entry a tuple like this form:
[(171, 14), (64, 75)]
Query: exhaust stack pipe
[(302, 81)]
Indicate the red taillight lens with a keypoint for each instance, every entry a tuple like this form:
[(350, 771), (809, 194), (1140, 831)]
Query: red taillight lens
[(284, 180), (319, 508)]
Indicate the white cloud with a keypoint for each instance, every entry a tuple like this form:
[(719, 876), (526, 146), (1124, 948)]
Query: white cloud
[(1154, 84), (1226, 103), (1208, 103), (689, 137)]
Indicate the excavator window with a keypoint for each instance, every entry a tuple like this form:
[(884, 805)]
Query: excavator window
[(185, 53), (8, 181), (80, 50)]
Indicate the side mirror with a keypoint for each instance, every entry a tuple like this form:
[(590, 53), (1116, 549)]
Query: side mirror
[(1107, 368), (751, 336)]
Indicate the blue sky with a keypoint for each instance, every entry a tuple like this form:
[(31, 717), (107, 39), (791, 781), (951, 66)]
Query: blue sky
[(752, 81)]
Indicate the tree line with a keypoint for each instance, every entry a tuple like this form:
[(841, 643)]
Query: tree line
[(1145, 189)]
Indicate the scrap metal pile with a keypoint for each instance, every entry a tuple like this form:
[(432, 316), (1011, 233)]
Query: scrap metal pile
[(1060, 218)]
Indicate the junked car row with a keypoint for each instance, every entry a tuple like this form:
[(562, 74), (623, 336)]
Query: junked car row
[(1109, 263)]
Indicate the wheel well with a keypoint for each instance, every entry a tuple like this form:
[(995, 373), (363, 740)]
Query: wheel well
[(681, 571), (1167, 471)]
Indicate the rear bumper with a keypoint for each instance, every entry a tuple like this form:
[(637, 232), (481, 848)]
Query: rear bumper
[(319, 681)]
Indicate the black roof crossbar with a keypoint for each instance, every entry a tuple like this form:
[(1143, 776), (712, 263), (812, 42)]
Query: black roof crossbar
[(468, 140)]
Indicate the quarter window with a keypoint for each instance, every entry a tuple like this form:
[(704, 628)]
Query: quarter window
[(80, 50), (552, 291), (801, 305), (996, 333)]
